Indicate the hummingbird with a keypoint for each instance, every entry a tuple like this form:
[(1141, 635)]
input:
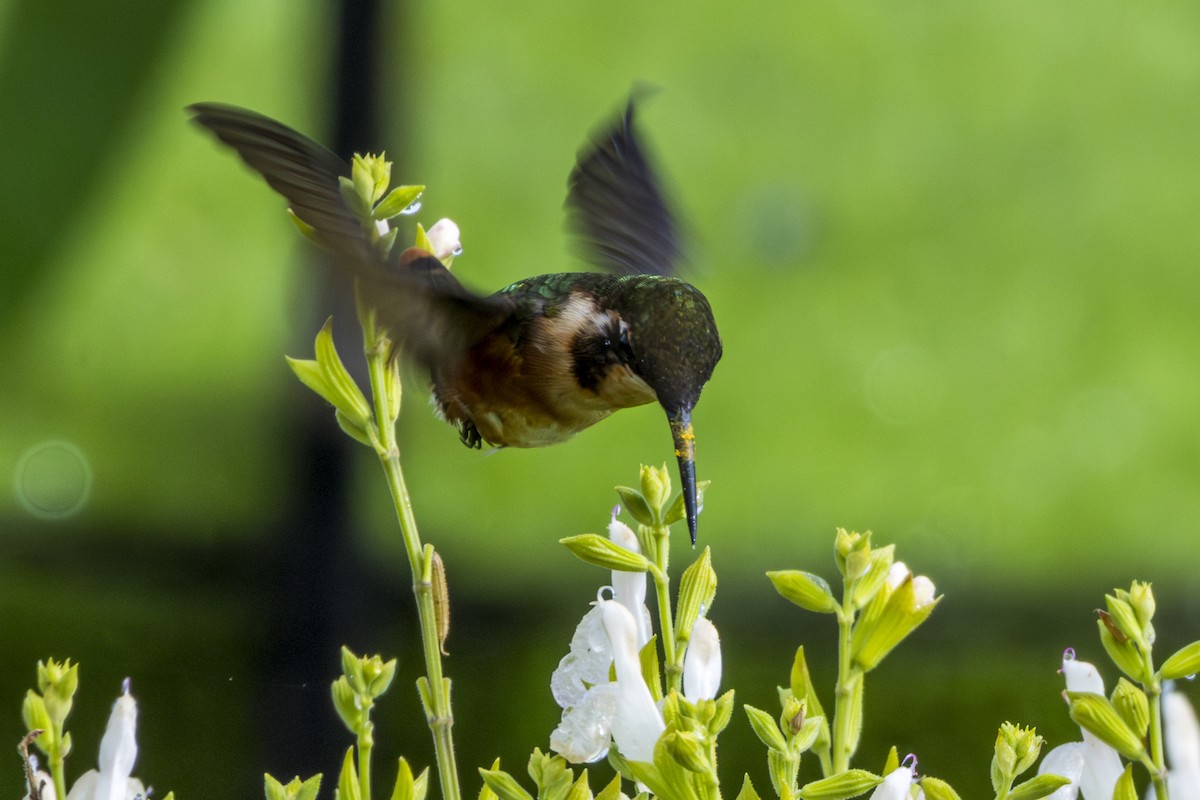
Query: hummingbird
[(540, 360)]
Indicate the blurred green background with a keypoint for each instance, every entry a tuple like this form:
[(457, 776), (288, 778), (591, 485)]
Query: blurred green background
[(952, 248)]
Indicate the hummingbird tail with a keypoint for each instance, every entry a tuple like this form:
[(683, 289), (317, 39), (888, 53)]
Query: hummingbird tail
[(685, 454)]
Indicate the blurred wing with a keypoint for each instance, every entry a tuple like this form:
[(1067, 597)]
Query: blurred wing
[(616, 206), (430, 313)]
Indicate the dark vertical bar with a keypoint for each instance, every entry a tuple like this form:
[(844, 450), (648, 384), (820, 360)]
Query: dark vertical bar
[(321, 595)]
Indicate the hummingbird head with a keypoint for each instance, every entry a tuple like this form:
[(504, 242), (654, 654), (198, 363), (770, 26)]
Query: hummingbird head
[(675, 346)]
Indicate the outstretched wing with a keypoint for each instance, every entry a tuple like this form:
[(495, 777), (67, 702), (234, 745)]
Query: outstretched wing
[(616, 205), (430, 313)]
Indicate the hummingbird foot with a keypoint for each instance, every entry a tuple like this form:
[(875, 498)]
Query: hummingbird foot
[(468, 434)]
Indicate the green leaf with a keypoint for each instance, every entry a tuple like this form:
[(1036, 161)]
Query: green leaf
[(722, 714), (307, 230), (850, 783), (601, 552), (809, 591), (580, 789), (765, 729), (1182, 663), (485, 792), (1036, 787)]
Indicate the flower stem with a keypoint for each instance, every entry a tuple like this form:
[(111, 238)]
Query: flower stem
[(844, 693), (366, 740), (56, 768), (1158, 769), (662, 591), (438, 711)]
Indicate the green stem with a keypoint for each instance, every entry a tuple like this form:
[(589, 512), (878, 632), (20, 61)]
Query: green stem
[(56, 768), (438, 715), (662, 591), (844, 693), (1158, 769), (366, 740)]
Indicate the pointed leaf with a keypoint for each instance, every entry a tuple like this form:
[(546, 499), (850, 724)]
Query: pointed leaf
[(765, 729), (805, 589), (937, 789), (850, 783), (503, 784)]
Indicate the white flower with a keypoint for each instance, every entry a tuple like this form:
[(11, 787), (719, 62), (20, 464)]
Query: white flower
[(44, 784), (622, 710), (1181, 734), (924, 592), (444, 238), (1092, 766), (381, 225), (896, 783), (702, 664), (118, 750), (629, 588)]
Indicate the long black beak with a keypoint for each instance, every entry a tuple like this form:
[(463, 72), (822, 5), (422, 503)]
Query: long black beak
[(685, 454)]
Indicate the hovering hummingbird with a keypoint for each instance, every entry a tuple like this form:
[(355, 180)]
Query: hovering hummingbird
[(544, 358)]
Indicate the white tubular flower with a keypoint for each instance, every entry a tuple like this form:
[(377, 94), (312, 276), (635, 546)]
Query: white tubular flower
[(381, 225), (629, 588), (1092, 765), (44, 784), (924, 592), (598, 711), (118, 751), (638, 723), (896, 783), (1181, 734), (444, 236), (702, 664)]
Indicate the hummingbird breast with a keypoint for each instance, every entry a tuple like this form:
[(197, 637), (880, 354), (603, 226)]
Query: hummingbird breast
[(557, 367)]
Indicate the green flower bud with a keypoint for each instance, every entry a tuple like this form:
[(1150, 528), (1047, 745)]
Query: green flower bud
[(656, 488), (1121, 650), (348, 786), (345, 702), (722, 713), (791, 719), (1124, 789), (697, 588), (687, 749), (765, 729), (888, 619), (36, 717), (1141, 598), (850, 783), (1182, 663), (806, 590), (1133, 706), (294, 790), (503, 784), (601, 552), (937, 789), (876, 575), (1123, 620), (747, 792), (1095, 714), (635, 504)]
